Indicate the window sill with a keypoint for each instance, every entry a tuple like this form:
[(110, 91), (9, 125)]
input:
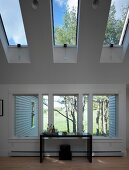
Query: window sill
[(23, 138), (106, 138)]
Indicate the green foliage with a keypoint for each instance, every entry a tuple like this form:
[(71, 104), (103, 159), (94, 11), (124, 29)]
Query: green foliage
[(65, 112), (114, 26), (101, 115), (67, 33), (98, 99)]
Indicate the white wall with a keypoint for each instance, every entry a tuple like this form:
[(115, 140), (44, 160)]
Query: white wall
[(127, 118), (8, 142), (4, 123)]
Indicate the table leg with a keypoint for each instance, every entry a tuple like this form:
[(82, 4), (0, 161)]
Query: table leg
[(41, 149), (89, 149)]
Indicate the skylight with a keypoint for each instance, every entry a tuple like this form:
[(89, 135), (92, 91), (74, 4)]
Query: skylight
[(65, 20), (12, 21), (116, 22)]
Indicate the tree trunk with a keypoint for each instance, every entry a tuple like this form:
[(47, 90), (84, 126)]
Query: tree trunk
[(102, 116), (67, 120), (74, 122)]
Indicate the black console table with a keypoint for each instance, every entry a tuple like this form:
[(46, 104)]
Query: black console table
[(87, 137)]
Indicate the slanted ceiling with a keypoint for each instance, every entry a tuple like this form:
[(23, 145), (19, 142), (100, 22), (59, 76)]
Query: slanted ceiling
[(38, 27), (41, 69)]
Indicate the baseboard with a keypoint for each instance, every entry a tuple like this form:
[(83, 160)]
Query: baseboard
[(108, 153), (74, 153)]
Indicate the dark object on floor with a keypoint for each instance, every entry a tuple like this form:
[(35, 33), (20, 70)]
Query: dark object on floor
[(65, 152)]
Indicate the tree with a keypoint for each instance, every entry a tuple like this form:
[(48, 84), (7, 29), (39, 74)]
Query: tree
[(114, 26), (66, 34), (101, 107), (68, 110)]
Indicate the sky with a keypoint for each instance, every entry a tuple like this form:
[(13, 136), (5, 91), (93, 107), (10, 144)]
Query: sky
[(13, 23), (59, 8), (119, 4)]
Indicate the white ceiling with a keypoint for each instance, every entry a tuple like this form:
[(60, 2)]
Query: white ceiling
[(41, 69)]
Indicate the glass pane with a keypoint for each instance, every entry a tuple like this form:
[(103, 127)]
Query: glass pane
[(26, 116), (65, 21), (13, 23), (45, 112), (33, 115), (116, 20), (85, 113), (65, 113), (104, 115)]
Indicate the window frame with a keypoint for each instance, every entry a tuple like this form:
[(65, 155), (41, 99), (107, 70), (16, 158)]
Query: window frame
[(123, 33), (79, 93), (87, 111), (68, 94), (124, 30), (77, 26), (43, 112), (117, 115), (1, 20)]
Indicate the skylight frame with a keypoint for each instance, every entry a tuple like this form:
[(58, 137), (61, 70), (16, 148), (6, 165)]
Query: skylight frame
[(4, 29), (77, 26), (124, 29), (126, 24), (9, 37)]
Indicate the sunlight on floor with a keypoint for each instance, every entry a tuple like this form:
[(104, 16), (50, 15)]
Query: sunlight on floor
[(100, 161), (55, 160)]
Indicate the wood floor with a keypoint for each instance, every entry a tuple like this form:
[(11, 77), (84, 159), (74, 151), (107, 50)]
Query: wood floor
[(52, 163)]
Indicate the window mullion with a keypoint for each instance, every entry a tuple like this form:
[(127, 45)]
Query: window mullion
[(50, 109), (80, 113), (40, 116), (90, 114)]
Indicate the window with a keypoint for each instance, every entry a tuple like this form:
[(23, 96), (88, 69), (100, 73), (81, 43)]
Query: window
[(101, 111), (33, 115), (115, 29), (65, 113), (45, 112), (26, 115), (104, 115), (65, 21), (12, 21), (85, 113)]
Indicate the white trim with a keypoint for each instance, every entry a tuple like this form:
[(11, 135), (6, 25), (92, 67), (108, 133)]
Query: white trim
[(90, 114), (50, 109), (40, 115), (80, 113), (124, 28)]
